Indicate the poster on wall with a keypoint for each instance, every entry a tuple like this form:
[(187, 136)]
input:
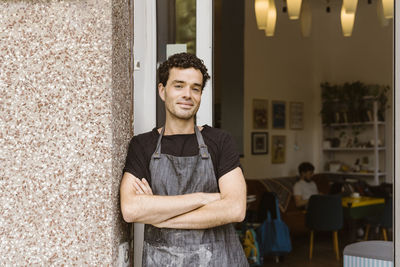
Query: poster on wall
[(278, 149), (260, 114), (259, 143), (278, 114), (296, 114)]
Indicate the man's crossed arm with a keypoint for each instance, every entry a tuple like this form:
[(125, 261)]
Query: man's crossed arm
[(189, 211)]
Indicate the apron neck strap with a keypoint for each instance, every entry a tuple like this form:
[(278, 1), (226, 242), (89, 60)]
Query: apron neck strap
[(202, 146), (157, 153)]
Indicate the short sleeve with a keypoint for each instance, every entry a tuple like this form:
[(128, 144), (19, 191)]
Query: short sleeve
[(315, 189), (297, 189), (229, 157), (135, 162)]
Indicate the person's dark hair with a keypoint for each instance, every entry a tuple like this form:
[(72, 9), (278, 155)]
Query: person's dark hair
[(305, 167), (183, 61)]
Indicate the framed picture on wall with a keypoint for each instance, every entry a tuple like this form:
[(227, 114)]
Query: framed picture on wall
[(296, 114), (278, 114), (260, 114), (259, 143), (278, 149)]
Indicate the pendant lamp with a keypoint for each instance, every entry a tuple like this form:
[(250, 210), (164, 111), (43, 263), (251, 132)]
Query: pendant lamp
[(388, 8), (293, 7), (350, 6), (305, 18), (271, 19), (381, 17), (261, 9), (347, 20)]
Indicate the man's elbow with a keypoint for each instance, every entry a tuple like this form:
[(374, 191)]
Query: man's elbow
[(128, 213), (239, 212)]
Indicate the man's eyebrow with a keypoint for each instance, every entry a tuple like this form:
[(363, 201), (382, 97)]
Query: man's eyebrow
[(179, 81)]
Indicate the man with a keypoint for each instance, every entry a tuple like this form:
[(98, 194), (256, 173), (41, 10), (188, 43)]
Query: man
[(184, 181), (305, 187)]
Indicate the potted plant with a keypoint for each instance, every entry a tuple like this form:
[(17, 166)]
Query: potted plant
[(352, 102), (379, 93)]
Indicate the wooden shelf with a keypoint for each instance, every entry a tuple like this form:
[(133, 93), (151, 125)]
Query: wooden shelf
[(380, 174), (351, 149), (372, 128), (367, 123)]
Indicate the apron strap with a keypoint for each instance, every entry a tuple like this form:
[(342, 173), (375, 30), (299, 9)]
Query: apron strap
[(202, 146), (157, 153), (203, 150)]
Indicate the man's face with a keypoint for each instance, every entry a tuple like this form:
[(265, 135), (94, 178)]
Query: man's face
[(182, 93), (308, 176)]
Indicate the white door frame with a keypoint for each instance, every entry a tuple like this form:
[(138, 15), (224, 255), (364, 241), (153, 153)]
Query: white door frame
[(145, 62), (144, 97), (204, 33), (396, 94)]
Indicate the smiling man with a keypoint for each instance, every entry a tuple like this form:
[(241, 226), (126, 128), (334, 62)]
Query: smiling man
[(305, 187), (183, 181)]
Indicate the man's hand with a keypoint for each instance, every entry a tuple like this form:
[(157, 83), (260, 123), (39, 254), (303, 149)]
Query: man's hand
[(299, 201), (142, 187)]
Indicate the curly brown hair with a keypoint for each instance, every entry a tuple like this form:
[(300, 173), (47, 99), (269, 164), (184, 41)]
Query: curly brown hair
[(184, 61), (305, 167)]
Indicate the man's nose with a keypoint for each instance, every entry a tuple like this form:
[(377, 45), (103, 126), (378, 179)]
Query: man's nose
[(187, 92)]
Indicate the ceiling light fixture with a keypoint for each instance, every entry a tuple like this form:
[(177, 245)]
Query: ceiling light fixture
[(388, 8), (381, 17), (294, 7), (261, 9), (271, 19), (305, 18), (347, 20), (350, 6)]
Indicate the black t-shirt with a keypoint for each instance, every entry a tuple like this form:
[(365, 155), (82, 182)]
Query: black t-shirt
[(220, 144)]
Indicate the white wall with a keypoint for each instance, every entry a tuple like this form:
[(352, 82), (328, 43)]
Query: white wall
[(290, 67)]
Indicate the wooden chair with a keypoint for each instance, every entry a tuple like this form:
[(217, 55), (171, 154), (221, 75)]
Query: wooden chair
[(324, 213)]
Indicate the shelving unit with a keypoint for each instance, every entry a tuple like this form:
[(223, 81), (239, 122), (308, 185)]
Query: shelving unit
[(378, 152), (355, 149)]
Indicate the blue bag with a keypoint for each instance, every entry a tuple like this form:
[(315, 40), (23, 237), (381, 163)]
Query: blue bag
[(274, 236)]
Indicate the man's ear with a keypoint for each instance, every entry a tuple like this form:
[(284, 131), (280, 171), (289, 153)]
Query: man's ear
[(161, 91)]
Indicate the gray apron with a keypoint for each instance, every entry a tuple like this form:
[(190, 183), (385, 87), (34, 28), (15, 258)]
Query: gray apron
[(218, 246)]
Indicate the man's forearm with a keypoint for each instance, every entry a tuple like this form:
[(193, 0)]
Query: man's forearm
[(214, 214), (230, 208), (153, 209), (301, 202)]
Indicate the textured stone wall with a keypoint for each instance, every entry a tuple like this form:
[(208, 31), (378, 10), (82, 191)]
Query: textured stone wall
[(64, 117)]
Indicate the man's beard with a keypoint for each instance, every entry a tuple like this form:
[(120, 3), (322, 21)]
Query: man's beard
[(308, 180), (183, 115)]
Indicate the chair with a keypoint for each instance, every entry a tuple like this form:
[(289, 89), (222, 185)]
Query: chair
[(384, 221), (324, 213)]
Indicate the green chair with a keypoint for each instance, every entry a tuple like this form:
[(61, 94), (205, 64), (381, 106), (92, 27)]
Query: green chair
[(324, 213), (384, 221)]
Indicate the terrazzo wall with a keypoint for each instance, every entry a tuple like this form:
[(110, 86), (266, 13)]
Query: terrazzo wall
[(65, 110)]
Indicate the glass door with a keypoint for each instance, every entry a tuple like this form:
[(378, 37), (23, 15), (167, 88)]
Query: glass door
[(176, 32)]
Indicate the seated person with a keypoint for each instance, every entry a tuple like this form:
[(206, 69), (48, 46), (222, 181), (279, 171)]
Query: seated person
[(305, 187)]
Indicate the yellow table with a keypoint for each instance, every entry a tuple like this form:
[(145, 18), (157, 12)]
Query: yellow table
[(352, 202), (357, 208), (361, 207)]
